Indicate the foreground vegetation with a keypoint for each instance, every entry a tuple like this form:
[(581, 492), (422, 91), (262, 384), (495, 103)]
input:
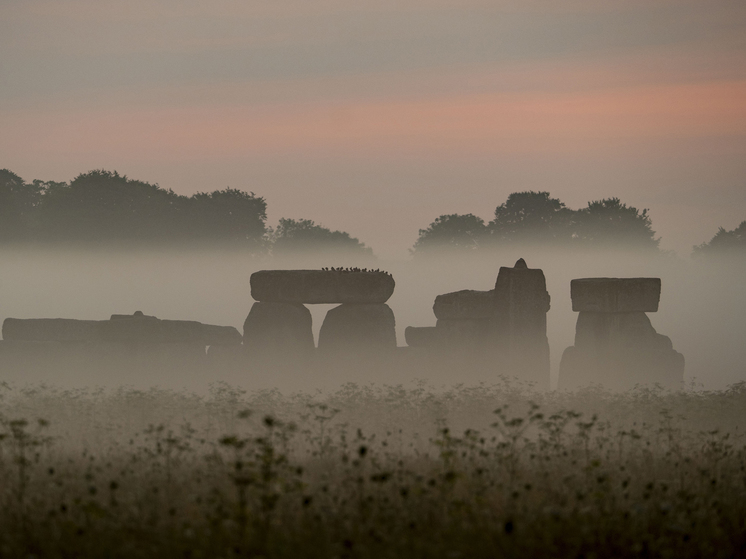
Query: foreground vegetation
[(372, 472)]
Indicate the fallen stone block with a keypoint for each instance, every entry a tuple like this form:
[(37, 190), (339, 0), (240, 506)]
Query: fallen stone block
[(466, 304), (614, 295), (50, 329), (137, 328), (214, 335), (141, 328), (278, 327), (358, 327), (321, 286)]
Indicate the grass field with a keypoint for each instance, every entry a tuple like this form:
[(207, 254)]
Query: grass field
[(372, 471)]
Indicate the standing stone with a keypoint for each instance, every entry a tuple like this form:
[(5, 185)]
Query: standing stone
[(422, 336), (278, 328), (354, 328), (520, 323), (616, 346)]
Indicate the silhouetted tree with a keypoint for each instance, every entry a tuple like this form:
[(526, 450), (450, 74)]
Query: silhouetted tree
[(103, 206), (228, 215), (531, 217), (303, 235), (610, 223), (724, 242), (18, 204), (453, 231)]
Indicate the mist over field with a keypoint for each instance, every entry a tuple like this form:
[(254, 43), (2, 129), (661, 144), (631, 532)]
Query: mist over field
[(702, 301), (157, 154)]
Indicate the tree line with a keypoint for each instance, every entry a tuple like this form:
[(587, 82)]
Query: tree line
[(104, 207), (537, 218)]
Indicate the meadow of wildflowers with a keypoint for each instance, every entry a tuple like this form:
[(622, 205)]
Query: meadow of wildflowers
[(372, 471)]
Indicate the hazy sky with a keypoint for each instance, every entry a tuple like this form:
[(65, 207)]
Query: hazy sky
[(375, 117)]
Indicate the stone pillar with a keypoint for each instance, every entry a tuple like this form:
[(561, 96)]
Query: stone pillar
[(521, 304), (616, 346), (358, 328), (282, 329)]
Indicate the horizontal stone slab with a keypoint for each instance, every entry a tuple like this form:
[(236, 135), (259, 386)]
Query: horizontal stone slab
[(50, 329), (121, 328), (466, 304), (612, 295), (321, 286), (141, 328)]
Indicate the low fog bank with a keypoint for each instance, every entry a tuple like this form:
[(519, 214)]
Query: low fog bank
[(702, 308)]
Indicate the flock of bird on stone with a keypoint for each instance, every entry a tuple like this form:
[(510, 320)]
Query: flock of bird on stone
[(348, 270)]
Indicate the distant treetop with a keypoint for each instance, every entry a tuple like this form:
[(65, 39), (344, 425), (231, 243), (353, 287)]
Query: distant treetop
[(724, 242), (303, 235), (537, 218)]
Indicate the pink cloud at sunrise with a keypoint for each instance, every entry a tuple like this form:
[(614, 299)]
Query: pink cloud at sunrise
[(346, 112), (454, 126)]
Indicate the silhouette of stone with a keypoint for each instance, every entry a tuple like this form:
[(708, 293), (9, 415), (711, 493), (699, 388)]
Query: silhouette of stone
[(614, 295), (50, 329), (465, 304), (278, 327), (520, 323), (214, 335), (464, 333), (358, 327), (321, 286), (421, 336), (621, 349), (144, 329)]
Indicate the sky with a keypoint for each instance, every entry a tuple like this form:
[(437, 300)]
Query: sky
[(375, 117)]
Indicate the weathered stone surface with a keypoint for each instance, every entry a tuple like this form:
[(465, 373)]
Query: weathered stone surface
[(520, 291), (421, 336), (278, 327), (466, 304), (622, 370), (464, 332), (141, 328), (137, 328), (619, 351), (613, 295), (214, 335), (604, 332), (358, 327), (520, 323), (50, 329), (321, 286)]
